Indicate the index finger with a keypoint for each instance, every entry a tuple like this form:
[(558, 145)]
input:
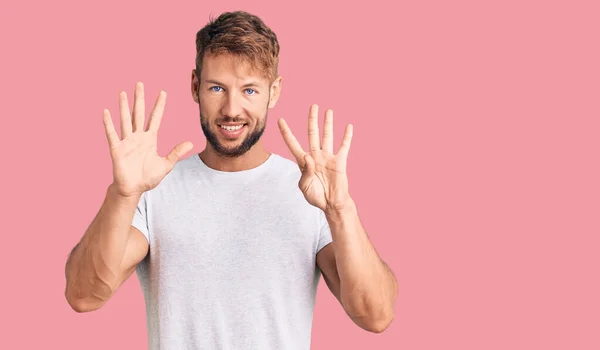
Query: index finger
[(291, 141), (109, 128)]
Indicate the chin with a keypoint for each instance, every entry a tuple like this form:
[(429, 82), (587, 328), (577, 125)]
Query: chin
[(230, 152), (227, 147), (235, 144)]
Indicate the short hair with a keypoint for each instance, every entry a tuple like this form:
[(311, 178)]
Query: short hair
[(242, 35)]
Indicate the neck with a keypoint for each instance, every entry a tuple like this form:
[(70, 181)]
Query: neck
[(251, 159)]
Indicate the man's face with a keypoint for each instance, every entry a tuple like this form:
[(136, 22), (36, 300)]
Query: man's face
[(233, 103)]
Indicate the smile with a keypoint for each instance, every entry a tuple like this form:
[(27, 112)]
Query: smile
[(232, 127), (232, 132)]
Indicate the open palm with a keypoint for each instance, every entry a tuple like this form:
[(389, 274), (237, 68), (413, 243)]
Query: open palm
[(137, 167), (324, 182)]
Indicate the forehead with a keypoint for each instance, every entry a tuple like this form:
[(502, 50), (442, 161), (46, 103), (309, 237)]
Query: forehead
[(230, 69)]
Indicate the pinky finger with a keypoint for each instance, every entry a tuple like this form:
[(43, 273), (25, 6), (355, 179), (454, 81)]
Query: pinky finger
[(109, 128)]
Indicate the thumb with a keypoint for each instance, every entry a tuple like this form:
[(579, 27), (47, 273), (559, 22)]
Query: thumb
[(179, 151), (308, 171)]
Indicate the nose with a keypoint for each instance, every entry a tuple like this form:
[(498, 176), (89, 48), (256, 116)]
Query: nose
[(232, 106)]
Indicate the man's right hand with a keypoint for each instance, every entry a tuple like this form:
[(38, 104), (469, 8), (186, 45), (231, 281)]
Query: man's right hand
[(137, 167)]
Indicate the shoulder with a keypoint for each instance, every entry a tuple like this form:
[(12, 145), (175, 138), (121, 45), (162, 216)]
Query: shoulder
[(180, 172), (186, 163), (284, 166), (183, 166), (284, 172)]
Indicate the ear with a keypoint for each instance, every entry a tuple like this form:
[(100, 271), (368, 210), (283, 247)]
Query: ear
[(195, 86), (275, 91)]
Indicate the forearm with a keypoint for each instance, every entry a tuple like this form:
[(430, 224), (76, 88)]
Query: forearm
[(368, 288), (93, 268)]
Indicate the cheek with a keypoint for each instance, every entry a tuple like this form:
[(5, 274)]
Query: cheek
[(209, 104), (203, 98), (258, 107)]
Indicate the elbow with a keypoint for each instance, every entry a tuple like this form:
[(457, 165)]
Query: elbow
[(88, 290), (374, 321), (82, 305), (86, 302), (379, 325), (79, 306)]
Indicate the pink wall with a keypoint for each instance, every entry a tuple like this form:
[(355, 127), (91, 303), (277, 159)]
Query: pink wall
[(475, 160)]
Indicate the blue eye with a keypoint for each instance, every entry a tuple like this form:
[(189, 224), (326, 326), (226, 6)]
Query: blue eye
[(215, 87), (252, 91)]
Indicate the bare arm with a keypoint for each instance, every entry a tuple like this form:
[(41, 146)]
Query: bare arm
[(355, 274), (352, 269), (107, 254), (111, 248)]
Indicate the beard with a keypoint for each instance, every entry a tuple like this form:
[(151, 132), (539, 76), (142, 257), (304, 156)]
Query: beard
[(250, 140)]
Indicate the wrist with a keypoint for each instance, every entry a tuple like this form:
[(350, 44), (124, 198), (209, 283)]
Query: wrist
[(114, 193), (340, 209)]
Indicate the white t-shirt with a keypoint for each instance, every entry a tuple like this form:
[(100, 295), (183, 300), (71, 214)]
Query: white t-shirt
[(232, 259)]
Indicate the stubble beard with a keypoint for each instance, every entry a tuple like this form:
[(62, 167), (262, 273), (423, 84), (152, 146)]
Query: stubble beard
[(250, 140)]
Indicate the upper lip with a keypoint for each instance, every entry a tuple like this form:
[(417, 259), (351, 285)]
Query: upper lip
[(231, 124)]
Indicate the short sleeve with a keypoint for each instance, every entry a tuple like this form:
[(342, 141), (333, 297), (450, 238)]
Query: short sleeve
[(140, 217), (324, 232)]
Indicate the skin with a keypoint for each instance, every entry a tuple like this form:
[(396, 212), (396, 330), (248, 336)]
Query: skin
[(229, 91), (363, 284)]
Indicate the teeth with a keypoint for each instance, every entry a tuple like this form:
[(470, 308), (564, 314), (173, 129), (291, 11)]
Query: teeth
[(232, 128)]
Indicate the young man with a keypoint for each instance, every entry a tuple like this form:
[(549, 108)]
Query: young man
[(229, 244)]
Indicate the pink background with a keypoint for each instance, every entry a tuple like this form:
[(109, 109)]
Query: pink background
[(475, 161)]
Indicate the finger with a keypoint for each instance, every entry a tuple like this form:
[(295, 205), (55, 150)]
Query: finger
[(313, 128), (328, 132), (125, 115), (307, 172), (291, 141), (179, 151), (157, 112), (109, 128), (138, 107), (346, 141)]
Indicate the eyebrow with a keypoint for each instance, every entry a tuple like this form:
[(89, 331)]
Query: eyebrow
[(211, 81)]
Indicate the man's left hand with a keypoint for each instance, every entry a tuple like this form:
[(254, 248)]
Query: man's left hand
[(324, 182)]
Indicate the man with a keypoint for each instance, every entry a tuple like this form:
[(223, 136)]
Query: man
[(229, 244)]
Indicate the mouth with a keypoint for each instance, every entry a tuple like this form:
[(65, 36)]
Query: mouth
[(232, 131)]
